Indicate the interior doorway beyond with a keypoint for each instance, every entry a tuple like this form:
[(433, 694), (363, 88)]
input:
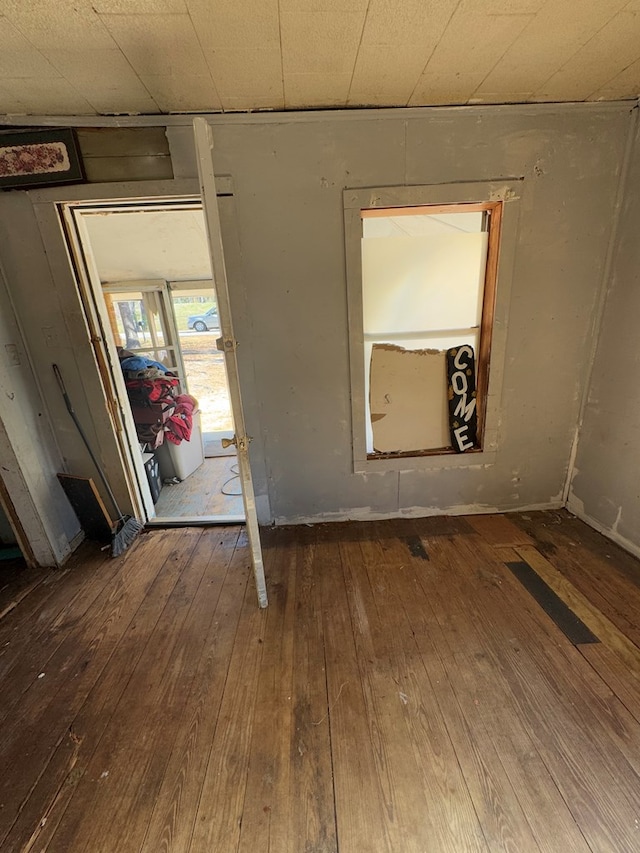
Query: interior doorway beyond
[(150, 275)]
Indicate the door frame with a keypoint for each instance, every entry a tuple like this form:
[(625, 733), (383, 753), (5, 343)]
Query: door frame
[(93, 293), (91, 390)]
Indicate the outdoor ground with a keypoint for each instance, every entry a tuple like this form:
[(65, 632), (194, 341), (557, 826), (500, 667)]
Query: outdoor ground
[(207, 378)]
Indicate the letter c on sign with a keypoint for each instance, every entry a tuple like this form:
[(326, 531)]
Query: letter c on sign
[(464, 350)]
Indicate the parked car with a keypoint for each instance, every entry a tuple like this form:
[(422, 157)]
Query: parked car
[(204, 322)]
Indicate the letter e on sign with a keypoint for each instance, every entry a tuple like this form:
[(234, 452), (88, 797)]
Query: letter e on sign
[(461, 387)]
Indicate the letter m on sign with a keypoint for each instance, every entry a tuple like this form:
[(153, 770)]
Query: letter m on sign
[(461, 393)]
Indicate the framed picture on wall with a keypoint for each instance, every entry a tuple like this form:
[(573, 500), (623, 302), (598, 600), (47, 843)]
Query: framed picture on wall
[(39, 158)]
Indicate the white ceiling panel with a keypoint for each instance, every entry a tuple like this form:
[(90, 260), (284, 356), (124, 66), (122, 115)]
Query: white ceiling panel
[(310, 90), (52, 95), (514, 7), (158, 44), (139, 7), (328, 6), (149, 56), (320, 42), (612, 49), (397, 42), (11, 101), (106, 99), (246, 73), (183, 94), (63, 23), (249, 103), (471, 45), (552, 37), (89, 66), (223, 25), (624, 85), (385, 76), (105, 79), (18, 57), (501, 98), (413, 22)]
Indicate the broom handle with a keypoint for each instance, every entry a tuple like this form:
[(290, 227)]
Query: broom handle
[(74, 417)]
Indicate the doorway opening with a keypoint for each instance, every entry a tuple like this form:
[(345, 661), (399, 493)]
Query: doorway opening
[(148, 278)]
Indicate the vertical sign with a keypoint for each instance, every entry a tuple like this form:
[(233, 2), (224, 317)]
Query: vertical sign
[(461, 388)]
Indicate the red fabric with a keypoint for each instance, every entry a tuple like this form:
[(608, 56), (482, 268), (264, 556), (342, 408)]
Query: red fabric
[(152, 390), (178, 427)]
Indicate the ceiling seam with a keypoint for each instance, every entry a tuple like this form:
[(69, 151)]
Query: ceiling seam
[(204, 56), (284, 91), (582, 47), (355, 62), (126, 59), (502, 55), (422, 73)]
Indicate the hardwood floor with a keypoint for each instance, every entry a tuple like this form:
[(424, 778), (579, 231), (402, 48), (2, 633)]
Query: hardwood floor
[(212, 489), (411, 688)]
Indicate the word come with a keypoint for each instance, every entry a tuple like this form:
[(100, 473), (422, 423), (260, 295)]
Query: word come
[(461, 382)]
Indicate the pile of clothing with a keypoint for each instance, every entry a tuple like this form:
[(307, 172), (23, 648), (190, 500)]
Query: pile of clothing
[(160, 412)]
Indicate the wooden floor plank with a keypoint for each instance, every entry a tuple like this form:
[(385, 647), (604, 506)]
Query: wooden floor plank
[(118, 770), (559, 718), (17, 580), (49, 731), (266, 802), (560, 531), (453, 821), (222, 795), (615, 674), (49, 602), (311, 802), (289, 797), (593, 618), (498, 530), (172, 818), (548, 528), (51, 638), (179, 650), (409, 819), (485, 698), (442, 620), (403, 692), (602, 584), (362, 808)]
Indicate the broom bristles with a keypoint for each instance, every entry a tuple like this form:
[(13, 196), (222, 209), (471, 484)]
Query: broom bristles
[(129, 528)]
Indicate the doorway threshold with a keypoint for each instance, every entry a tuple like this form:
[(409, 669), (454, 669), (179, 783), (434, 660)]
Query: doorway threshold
[(194, 520)]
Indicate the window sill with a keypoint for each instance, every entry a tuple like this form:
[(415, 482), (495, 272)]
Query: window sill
[(431, 462)]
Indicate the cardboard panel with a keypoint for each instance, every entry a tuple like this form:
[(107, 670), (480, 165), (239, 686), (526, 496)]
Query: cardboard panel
[(408, 396)]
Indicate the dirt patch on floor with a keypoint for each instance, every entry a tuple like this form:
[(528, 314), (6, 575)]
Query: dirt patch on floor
[(207, 379)]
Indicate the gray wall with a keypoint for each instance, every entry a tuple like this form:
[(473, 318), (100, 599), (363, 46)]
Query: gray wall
[(288, 177), (288, 277), (606, 483), (28, 450)]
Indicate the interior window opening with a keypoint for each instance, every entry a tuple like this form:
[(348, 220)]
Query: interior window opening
[(428, 293)]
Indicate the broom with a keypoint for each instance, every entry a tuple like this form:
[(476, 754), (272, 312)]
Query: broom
[(126, 528)]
